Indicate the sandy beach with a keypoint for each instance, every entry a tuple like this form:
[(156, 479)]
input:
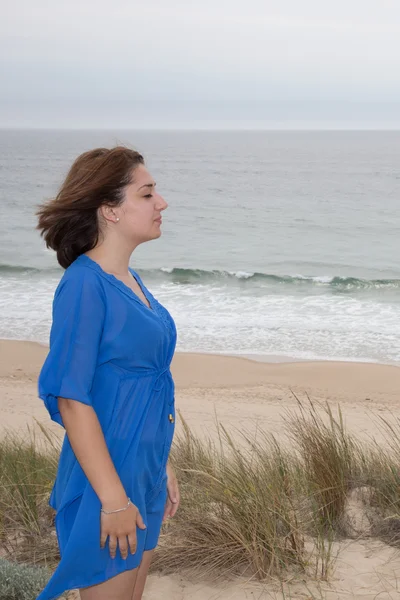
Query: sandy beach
[(244, 395)]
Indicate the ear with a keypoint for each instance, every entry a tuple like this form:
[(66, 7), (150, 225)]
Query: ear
[(108, 213)]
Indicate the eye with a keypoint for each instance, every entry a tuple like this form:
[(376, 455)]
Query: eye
[(148, 196)]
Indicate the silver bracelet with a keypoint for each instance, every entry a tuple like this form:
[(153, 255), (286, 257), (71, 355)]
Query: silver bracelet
[(108, 512)]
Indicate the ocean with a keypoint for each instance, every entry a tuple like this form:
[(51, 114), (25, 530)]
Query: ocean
[(278, 245)]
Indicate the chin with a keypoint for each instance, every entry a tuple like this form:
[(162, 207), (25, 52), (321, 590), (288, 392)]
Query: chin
[(154, 236)]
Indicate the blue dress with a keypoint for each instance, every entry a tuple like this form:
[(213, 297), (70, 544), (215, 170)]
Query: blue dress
[(109, 350)]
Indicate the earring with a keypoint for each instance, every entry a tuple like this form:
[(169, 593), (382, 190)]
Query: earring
[(117, 219)]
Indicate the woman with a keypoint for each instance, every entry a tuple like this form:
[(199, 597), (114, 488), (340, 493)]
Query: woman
[(107, 379)]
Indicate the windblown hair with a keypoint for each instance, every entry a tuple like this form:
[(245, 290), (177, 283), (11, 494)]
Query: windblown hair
[(69, 222)]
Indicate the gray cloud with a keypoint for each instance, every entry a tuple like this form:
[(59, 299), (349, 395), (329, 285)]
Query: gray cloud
[(185, 63)]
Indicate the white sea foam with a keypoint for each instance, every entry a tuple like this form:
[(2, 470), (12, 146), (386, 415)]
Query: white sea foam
[(223, 318), (241, 274), (318, 279)]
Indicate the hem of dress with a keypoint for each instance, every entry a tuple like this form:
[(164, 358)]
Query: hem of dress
[(78, 586), (150, 549)]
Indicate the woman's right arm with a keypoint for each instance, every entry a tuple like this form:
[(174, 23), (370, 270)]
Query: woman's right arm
[(89, 446)]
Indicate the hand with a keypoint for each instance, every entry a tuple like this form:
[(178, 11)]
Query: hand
[(173, 498), (121, 529)]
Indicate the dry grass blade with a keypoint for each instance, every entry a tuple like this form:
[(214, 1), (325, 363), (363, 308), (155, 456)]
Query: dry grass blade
[(330, 458)]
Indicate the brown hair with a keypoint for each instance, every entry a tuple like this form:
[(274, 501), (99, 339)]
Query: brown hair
[(68, 223)]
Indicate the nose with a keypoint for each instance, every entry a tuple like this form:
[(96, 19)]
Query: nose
[(161, 203)]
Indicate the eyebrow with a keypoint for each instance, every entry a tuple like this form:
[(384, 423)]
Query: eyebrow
[(148, 185)]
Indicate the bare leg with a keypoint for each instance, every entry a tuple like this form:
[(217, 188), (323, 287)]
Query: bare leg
[(116, 588), (142, 575)]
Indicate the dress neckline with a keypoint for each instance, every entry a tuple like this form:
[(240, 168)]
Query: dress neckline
[(120, 284)]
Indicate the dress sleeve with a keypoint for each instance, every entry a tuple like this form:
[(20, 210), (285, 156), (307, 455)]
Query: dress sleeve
[(78, 320)]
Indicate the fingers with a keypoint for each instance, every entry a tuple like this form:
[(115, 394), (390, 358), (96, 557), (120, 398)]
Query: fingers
[(139, 521), (173, 499), (173, 490), (174, 507), (132, 542), (103, 539), (171, 508), (112, 545), (123, 546), (125, 543), (167, 510)]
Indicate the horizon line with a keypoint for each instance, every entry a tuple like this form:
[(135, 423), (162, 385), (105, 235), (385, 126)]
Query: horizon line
[(394, 128)]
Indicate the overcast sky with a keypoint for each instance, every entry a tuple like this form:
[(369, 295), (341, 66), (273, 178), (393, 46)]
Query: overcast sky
[(200, 63)]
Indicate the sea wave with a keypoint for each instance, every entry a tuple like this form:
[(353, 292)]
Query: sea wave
[(184, 276), (20, 269), (192, 276)]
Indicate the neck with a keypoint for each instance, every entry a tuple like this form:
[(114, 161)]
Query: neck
[(113, 258)]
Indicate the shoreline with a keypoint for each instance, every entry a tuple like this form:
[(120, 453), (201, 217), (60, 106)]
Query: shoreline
[(276, 359), (267, 361), (205, 369), (258, 358)]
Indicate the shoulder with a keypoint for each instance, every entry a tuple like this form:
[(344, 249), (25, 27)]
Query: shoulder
[(79, 278)]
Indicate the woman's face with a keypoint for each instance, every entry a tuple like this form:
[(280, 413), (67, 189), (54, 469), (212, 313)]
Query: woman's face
[(140, 213)]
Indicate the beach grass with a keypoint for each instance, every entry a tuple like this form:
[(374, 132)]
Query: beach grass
[(249, 506), (239, 508), (28, 466)]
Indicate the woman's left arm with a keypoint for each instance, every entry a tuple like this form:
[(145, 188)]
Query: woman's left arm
[(173, 498)]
